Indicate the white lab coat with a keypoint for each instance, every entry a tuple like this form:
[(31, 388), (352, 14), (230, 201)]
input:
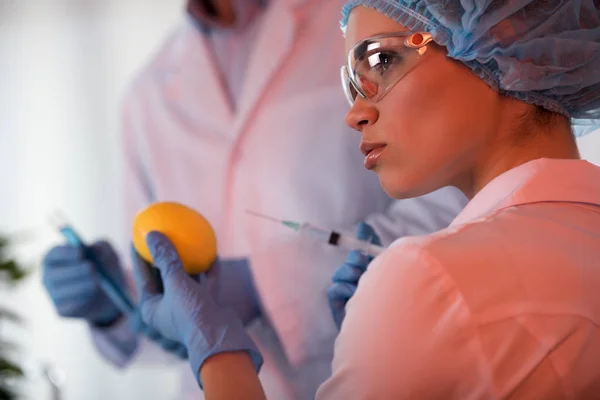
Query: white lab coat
[(285, 152)]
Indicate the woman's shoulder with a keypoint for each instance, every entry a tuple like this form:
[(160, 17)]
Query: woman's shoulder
[(503, 259)]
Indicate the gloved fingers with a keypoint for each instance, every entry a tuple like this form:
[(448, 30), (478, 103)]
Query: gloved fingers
[(81, 292), (181, 352), (211, 277), (72, 307), (173, 347), (64, 274), (348, 273), (165, 258), (105, 253), (358, 259), (143, 277), (151, 333), (366, 232), (340, 292), (167, 344), (64, 254), (338, 295), (148, 309), (338, 317), (135, 321)]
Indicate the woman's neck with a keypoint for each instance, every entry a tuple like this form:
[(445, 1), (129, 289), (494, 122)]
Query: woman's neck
[(505, 154)]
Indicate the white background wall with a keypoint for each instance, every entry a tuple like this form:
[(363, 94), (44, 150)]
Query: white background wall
[(589, 147), (63, 66)]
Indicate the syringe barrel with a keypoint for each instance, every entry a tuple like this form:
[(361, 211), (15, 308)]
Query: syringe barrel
[(336, 239), (320, 234)]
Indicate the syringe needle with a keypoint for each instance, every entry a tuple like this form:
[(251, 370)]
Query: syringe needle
[(328, 236), (290, 224), (263, 216)]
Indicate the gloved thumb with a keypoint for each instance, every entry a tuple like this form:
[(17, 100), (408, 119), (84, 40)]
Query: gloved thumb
[(142, 275), (164, 256), (366, 232)]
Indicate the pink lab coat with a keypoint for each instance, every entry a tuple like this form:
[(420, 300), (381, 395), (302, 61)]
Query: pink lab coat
[(503, 304)]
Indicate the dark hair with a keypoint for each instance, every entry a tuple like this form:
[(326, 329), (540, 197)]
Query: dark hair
[(544, 118), (538, 122)]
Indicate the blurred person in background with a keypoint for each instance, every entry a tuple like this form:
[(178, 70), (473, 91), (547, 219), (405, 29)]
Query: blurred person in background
[(241, 109)]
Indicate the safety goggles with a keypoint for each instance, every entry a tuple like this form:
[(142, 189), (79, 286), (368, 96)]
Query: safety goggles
[(377, 63)]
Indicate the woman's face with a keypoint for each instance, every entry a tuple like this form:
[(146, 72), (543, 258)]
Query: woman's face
[(432, 128)]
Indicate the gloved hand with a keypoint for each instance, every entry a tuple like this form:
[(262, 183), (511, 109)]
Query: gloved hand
[(137, 325), (232, 285), (72, 282), (234, 288), (186, 311), (345, 278)]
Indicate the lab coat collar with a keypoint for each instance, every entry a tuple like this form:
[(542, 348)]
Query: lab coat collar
[(269, 53), (189, 54), (541, 180)]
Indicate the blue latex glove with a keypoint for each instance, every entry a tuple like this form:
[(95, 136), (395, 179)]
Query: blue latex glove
[(186, 311), (234, 288), (346, 277), (72, 283), (138, 326), (232, 285)]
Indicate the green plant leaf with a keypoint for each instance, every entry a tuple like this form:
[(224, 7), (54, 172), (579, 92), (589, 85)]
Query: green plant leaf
[(10, 369), (12, 271), (6, 393)]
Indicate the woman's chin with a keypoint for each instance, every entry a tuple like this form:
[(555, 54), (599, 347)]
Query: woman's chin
[(401, 187)]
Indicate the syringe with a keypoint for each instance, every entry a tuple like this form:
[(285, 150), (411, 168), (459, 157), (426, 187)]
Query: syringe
[(328, 236), (114, 292)]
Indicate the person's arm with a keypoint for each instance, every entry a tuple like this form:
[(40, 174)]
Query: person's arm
[(408, 334), (185, 311), (231, 376)]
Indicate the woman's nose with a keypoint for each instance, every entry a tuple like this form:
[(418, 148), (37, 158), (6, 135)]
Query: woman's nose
[(361, 113)]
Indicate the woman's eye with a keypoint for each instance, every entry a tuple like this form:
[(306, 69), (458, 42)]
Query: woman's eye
[(383, 61)]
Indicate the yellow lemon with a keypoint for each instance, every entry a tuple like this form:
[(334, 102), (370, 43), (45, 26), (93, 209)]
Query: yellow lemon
[(190, 233)]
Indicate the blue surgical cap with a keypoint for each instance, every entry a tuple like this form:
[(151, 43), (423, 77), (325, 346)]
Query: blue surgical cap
[(543, 52)]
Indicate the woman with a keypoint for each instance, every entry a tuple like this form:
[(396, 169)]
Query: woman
[(504, 303)]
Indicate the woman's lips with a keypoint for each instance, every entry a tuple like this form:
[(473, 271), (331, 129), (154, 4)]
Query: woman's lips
[(372, 152)]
